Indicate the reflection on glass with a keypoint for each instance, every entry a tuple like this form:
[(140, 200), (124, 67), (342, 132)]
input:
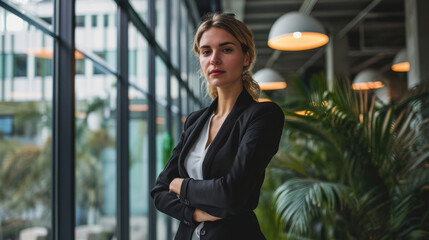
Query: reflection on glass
[(96, 29), (138, 135), (25, 131), (95, 156)]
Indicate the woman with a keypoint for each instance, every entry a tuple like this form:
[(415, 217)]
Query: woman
[(213, 178)]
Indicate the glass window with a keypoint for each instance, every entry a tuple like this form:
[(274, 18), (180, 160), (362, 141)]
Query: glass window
[(138, 44), (105, 20), (96, 69), (160, 30), (94, 20), (80, 66), (175, 94), (132, 62), (43, 9), (80, 21), (184, 44), (43, 67), (161, 80), (100, 39), (138, 135), (141, 7), (175, 19), (95, 156), (19, 65), (185, 110), (25, 134), (164, 147)]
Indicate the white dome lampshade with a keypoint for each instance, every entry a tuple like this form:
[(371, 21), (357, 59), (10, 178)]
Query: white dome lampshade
[(367, 79), (268, 79), (401, 62), (296, 31)]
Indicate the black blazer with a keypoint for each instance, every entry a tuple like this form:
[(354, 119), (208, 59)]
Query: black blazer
[(233, 171)]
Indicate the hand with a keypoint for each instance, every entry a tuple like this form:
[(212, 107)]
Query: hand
[(175, 185), (201, 216)]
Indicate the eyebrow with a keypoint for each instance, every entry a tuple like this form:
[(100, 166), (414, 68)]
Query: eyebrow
[(220, 45)]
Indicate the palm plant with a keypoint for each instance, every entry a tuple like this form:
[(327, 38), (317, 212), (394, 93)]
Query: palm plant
[(355, 167)]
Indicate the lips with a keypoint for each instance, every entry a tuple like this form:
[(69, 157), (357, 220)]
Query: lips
[(216, 72)]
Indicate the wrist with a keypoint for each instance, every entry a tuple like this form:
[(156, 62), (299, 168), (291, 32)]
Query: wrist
[(176, 185)]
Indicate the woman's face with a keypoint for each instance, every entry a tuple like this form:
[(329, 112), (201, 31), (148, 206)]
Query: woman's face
[(221, 58)]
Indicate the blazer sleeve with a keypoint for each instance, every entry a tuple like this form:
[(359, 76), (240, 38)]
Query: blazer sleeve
[(166, 201), (228, 194)]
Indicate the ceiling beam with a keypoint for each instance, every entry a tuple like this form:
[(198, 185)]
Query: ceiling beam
[(259, 26), (262, 16), (307, 6), (367, 63), (358, 18), (340, 34), (273, 4), (371, 51)]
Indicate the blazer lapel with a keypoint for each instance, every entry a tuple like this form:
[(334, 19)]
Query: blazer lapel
[(193, 135), (243, 101)]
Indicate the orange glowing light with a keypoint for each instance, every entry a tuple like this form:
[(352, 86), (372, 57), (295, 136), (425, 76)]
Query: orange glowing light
[(298, 42), (272, 85), (367, 85), (264, 100), (401, 67)]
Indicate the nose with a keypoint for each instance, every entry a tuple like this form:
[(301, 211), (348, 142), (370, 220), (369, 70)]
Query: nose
[(215, 60)]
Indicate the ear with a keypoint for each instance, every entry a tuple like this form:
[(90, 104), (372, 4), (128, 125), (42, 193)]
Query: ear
[(246, 61)]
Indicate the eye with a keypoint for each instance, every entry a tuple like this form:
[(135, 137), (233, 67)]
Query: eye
[(205, 52), (227, 50)]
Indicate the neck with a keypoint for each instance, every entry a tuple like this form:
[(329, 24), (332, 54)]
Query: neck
[(227, 99)]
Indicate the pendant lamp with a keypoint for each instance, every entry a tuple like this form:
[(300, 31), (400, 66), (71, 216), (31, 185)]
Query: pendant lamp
[(401, 62), (367, 79), (296, 31), (268, 79)]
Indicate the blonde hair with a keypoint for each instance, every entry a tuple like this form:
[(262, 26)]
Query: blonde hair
[(244, 36)]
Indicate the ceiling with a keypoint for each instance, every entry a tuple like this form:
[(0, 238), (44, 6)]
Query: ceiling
[(370, 32)]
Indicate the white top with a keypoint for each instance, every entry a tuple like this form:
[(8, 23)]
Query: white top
[(194, 162)]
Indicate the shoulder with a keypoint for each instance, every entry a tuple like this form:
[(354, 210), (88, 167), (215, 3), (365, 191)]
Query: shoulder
[(266, 114), (266, 108)]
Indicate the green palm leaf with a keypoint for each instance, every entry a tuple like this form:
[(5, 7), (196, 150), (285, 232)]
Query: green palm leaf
[(299, 200)]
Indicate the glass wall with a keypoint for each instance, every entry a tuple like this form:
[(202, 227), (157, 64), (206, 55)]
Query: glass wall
[(138, 124), (95, 156), (25, 128), (27, 76)]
